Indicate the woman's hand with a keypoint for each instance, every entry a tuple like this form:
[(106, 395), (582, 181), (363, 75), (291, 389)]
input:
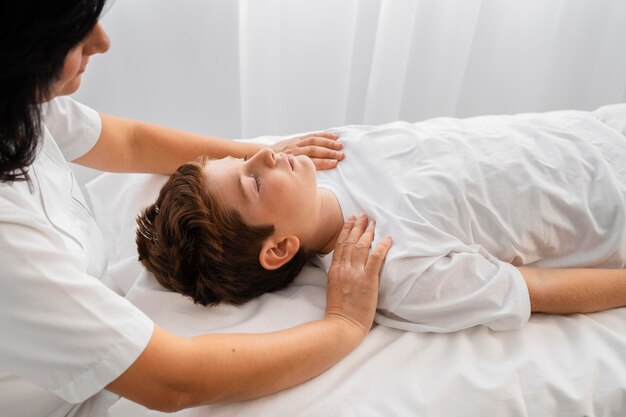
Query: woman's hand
[(322, 148), (353, 277)]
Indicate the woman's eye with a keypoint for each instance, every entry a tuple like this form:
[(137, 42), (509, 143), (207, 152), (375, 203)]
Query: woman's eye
[(257, 180), (245, 158)]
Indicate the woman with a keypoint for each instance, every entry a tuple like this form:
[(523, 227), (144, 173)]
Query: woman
[(65, 336)]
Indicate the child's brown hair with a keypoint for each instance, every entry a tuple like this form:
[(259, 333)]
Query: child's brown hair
[(197, 247)]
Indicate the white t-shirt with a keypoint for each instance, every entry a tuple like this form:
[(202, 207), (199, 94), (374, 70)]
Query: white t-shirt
[(64, 335), (466, 200)]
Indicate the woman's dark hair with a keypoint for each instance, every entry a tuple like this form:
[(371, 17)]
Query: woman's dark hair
[(35, 37)]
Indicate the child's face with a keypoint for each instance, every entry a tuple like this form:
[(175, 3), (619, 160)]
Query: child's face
[(268, 189)]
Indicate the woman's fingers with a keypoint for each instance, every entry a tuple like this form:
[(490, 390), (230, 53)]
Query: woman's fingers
[(357, 231), (323, 148), (325, 135), (354, 274), (363, 244), (361, 255), (323, 164), (375, 260), (341, 239), (319, 151), (353, 237), (321, 142)]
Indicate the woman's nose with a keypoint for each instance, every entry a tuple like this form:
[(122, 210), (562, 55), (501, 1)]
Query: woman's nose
[(97, 41)]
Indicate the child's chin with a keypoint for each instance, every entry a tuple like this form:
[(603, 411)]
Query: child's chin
[(307, 162)]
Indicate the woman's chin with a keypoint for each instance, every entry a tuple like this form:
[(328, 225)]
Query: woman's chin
[(67, 88)]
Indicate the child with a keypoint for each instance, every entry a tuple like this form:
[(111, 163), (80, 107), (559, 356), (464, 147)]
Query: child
[(484, 213)]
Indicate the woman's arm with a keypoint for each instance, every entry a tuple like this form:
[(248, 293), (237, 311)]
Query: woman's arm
[(174, 373), (132, 146), (574, 290)]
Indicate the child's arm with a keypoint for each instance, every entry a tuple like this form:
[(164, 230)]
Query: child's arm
[(574, 290)]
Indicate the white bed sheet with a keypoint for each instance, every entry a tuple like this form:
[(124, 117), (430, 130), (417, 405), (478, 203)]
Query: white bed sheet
[(555, 366)]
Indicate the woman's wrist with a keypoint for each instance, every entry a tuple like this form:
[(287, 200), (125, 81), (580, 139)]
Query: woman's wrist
[(347, 332), (247, 149)]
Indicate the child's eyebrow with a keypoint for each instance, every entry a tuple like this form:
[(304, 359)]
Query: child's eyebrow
[(239, 180), (238, 177), (241, 189)]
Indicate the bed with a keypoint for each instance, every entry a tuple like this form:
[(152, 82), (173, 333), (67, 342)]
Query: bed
[(555, 366)]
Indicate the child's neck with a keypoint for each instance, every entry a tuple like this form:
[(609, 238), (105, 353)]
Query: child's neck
[(330, 222)]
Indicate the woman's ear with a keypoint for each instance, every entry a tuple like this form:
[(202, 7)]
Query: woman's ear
[(277, 252)]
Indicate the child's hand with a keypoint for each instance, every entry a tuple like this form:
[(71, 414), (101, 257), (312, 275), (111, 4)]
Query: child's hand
[(354, 275), (322, 148)]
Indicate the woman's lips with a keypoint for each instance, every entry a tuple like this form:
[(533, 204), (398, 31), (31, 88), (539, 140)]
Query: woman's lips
[(291, 161), (83, 67)]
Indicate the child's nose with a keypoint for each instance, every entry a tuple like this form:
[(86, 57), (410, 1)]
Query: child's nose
[(269, 158), (264, 157)]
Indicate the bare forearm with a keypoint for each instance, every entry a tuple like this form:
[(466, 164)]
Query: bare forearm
[(161, 150), (128, 145), (251, 366), (575, 290), (216, 368), (131, 146)]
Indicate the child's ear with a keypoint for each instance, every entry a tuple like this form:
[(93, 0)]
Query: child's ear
[(277, 252)]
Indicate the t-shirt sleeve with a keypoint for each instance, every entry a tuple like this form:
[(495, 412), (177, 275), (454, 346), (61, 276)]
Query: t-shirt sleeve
[(461, 290), (75, 127), (60, 328)]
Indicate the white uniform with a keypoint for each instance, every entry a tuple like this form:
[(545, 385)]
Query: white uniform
[(465, 200), (63, 334)]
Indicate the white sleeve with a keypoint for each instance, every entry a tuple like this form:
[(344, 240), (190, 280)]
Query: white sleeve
[(462, 290), (60, 328), (75, 127)]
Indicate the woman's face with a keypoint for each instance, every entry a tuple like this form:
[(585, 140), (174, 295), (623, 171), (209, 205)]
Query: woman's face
[(76, 60)]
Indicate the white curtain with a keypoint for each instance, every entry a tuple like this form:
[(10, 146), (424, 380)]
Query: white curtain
[(251, 67)]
